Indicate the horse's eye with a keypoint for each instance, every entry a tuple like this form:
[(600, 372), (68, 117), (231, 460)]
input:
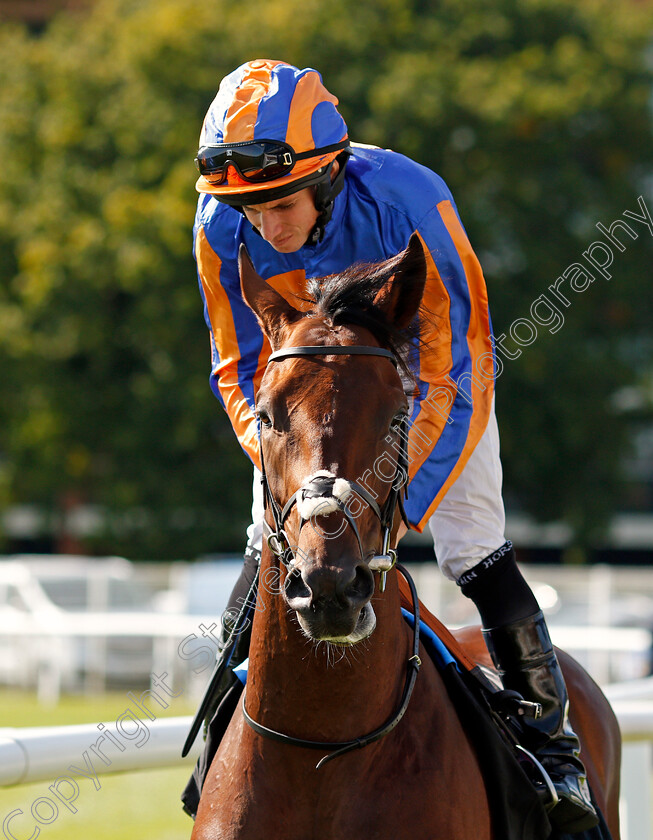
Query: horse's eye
[(397, 421), (264, 417)]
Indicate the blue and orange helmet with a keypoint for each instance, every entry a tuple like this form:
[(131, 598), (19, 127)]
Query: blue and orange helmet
[(272, 130)]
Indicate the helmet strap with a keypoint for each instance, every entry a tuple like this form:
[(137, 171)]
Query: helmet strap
[(325, 194)]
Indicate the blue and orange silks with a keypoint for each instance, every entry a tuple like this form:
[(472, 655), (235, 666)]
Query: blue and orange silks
[(386, 198)]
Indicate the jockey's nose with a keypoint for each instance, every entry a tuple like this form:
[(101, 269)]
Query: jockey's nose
[(269, 225)]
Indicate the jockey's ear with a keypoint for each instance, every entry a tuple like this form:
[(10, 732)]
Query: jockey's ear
[(401, 295), (272, 309)]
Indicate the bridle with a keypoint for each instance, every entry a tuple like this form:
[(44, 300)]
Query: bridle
[(280, 546), (278, 540)]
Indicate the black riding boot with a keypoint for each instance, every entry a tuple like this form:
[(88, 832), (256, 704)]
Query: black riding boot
[(521, 649), (526, 660)]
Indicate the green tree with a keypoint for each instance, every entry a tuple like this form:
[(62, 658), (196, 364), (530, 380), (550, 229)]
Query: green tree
[(107, 400), (535, 112)]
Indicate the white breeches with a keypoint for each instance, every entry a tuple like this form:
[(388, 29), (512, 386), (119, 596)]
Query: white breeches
[(469, 522)]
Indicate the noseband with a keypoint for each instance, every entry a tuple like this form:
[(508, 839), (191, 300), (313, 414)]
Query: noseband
[(278, 541)]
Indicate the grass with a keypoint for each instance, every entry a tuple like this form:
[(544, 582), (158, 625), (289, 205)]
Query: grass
[(143, 805)]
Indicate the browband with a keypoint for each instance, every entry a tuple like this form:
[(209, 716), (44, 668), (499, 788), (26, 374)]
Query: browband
[(338, 350)]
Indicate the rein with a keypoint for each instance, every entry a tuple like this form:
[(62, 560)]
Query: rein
[(278, 540), (339, 748)]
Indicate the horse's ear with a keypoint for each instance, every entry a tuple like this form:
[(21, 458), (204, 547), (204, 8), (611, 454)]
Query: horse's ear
[(401, 296), (272, 309)]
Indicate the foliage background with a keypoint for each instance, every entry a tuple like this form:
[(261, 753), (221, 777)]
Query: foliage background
[(537, 114)]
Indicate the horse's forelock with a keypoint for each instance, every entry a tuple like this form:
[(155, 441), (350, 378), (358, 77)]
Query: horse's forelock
[(348, 299)]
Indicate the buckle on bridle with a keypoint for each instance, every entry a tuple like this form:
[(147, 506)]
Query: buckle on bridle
[(276, 542)]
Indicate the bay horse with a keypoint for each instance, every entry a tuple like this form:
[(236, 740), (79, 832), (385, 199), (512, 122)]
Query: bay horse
[(331, 657)]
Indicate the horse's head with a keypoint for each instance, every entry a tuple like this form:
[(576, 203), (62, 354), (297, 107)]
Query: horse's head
[(332, 434)]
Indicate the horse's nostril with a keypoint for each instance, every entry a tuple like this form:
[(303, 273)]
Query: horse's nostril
[(295, 587), (361, 588), (315, 588)]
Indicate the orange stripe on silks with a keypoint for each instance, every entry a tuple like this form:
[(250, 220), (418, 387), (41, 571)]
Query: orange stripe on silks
[(299, 134), (226, 340), (435, 364), (262, 363), (478, 342), (308, 89), (291, 285), (241, 115)]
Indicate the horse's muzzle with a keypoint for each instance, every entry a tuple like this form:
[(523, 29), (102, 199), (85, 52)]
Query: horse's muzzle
[(332, 603)]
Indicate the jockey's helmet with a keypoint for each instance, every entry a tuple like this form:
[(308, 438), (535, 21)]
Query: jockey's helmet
[(272, 130)]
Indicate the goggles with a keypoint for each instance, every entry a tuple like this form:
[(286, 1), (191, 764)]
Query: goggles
[(256, 161)]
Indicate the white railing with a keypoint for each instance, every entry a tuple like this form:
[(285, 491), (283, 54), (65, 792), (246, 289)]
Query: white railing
[(66, 755), (635, 804), (69, 759), (633, 705), (45, 651), (49, 652), (41, 753)]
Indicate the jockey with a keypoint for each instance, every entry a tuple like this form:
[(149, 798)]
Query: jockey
[(279, 174)]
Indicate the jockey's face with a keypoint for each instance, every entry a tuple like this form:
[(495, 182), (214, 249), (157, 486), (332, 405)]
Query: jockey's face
[(287, 222)]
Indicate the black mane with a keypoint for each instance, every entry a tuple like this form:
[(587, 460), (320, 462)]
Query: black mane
[(348, 298)]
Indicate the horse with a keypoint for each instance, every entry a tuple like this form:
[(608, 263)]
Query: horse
[(332, 660)]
